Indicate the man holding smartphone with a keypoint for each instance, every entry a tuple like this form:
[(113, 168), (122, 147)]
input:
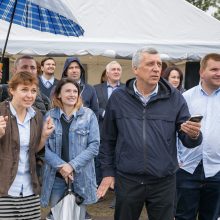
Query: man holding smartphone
[(198, 179), (138, 151)]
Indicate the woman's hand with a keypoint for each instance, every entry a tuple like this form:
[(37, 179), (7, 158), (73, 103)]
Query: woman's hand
[(66, 171), (3, 123), (48, 127)]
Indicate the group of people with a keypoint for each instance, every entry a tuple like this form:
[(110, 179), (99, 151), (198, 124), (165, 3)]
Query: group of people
[(149, 152)]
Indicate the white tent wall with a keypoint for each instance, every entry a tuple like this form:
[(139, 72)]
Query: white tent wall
[(116, 28), (119, 27)]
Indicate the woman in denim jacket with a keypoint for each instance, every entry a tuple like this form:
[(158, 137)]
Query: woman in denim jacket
[(71, 148)]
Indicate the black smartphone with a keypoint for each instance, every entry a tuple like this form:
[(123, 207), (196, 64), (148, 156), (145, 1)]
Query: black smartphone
[(196, 118)]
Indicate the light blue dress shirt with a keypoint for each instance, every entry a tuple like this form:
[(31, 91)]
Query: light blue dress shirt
[(22, 184), (46, 82), (199, 102), (111, 88)]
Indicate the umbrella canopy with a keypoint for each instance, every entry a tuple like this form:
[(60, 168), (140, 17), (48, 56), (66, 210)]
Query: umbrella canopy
[(51, 16), (40, 15), (69, 207)]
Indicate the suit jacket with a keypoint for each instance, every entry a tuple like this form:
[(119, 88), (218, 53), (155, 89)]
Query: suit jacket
[(102, 95)]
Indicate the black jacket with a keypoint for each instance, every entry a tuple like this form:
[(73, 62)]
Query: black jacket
[(141, 140), (87, 92)]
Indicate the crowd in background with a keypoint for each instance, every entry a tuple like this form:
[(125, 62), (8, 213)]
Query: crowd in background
[(135, 138)]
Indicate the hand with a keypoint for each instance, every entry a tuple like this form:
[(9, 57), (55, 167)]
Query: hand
[(69, 177), (107, 182), (48, 127), (3, 123), (191, 128), (66, 171)]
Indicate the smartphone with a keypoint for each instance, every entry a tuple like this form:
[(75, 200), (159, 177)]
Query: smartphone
[(196, 118)]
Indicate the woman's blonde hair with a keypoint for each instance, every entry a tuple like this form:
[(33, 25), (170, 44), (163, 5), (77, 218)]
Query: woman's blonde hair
[(57, 102)]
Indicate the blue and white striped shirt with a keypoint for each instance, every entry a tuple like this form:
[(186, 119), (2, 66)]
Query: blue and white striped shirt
[(199, 102)]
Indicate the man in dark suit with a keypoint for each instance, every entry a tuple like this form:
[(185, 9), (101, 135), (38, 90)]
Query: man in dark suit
[(104, 91)]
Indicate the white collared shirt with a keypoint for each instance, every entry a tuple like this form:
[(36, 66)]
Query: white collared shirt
[(22, 183)]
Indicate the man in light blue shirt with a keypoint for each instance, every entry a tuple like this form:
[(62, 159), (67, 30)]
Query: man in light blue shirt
[(198, 179)]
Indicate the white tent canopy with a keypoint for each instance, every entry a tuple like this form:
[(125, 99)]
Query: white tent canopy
[(117, 28)]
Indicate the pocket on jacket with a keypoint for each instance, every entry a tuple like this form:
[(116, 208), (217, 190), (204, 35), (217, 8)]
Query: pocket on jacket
[(82, 135), (165, 125)]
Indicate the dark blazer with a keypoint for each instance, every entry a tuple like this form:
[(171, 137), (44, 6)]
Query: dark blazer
[(102, 95)]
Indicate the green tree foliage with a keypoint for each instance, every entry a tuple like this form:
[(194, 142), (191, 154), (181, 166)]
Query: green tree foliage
[(217, 13), (205, 4)]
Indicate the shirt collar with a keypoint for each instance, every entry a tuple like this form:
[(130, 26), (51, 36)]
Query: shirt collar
[(67, 117), (51, 80), (30, 112), (204, 92), (117, 85), (153, 93)]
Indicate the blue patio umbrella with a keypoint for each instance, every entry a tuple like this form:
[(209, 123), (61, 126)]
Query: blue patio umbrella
[(51, 16)]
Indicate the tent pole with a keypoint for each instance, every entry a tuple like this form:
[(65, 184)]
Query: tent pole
[(6, 41)]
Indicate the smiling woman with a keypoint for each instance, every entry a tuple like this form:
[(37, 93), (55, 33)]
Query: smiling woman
[(23, 91), (70, 150), (22, 134)]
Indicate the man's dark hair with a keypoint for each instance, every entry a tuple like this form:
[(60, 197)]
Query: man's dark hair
[(23, 57), (45, 59)]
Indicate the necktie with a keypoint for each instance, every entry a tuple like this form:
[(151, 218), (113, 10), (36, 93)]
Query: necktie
[(48, 84)]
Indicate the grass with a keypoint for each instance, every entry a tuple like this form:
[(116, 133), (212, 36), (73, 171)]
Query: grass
[(99, 210)]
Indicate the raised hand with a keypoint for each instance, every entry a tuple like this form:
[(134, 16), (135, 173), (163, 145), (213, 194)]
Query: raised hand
[(48, 127), (3, 123)]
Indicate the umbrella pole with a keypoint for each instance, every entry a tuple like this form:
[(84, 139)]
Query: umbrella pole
[(6, 41)]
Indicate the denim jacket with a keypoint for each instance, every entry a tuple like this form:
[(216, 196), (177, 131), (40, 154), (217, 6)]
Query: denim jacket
[(84, 140)]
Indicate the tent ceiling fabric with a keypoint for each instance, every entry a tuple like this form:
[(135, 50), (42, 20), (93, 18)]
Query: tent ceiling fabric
[(117, 28)]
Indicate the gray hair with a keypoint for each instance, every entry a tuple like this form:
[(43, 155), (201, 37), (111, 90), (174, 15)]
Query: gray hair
[(137, 56), (108, 66)]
